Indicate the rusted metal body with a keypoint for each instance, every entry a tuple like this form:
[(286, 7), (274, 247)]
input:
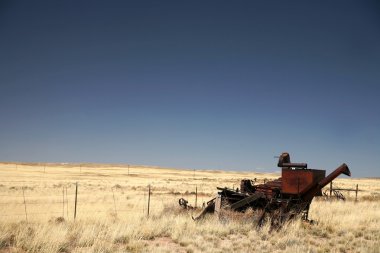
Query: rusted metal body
[(298, 181), (280, 199)]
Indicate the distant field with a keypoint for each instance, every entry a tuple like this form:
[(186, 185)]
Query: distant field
[(37, 213)]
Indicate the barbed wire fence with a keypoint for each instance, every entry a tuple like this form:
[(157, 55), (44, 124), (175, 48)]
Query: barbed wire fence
[(26, 205)]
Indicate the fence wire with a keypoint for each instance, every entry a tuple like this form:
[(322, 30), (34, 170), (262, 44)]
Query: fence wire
[(114, 201)]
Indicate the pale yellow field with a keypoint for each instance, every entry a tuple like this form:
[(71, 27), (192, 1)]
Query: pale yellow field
[(112, 213)]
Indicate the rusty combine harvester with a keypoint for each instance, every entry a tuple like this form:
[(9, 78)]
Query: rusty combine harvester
[(280, 199)]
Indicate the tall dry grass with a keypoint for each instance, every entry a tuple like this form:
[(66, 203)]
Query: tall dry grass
[(100, 227)]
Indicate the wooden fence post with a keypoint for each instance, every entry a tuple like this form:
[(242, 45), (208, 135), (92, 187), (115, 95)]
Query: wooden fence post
[(63, 201), (67, 204), (196, 196), (330, 188), (76, 199), (26, 214), (114, 202), (148, 199), (356, 192)]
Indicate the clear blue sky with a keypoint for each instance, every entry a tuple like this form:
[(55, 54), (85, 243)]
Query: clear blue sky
[(191, 84)]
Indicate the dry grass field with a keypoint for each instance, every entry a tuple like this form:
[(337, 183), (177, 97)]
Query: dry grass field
[(37, 213)]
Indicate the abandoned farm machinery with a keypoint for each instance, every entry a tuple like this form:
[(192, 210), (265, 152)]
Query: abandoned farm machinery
[(279, 200)]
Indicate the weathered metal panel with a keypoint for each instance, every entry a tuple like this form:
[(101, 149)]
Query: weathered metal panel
[(299, 181)]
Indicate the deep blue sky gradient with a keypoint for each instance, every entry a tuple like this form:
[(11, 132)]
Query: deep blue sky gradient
[(191, 84)]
